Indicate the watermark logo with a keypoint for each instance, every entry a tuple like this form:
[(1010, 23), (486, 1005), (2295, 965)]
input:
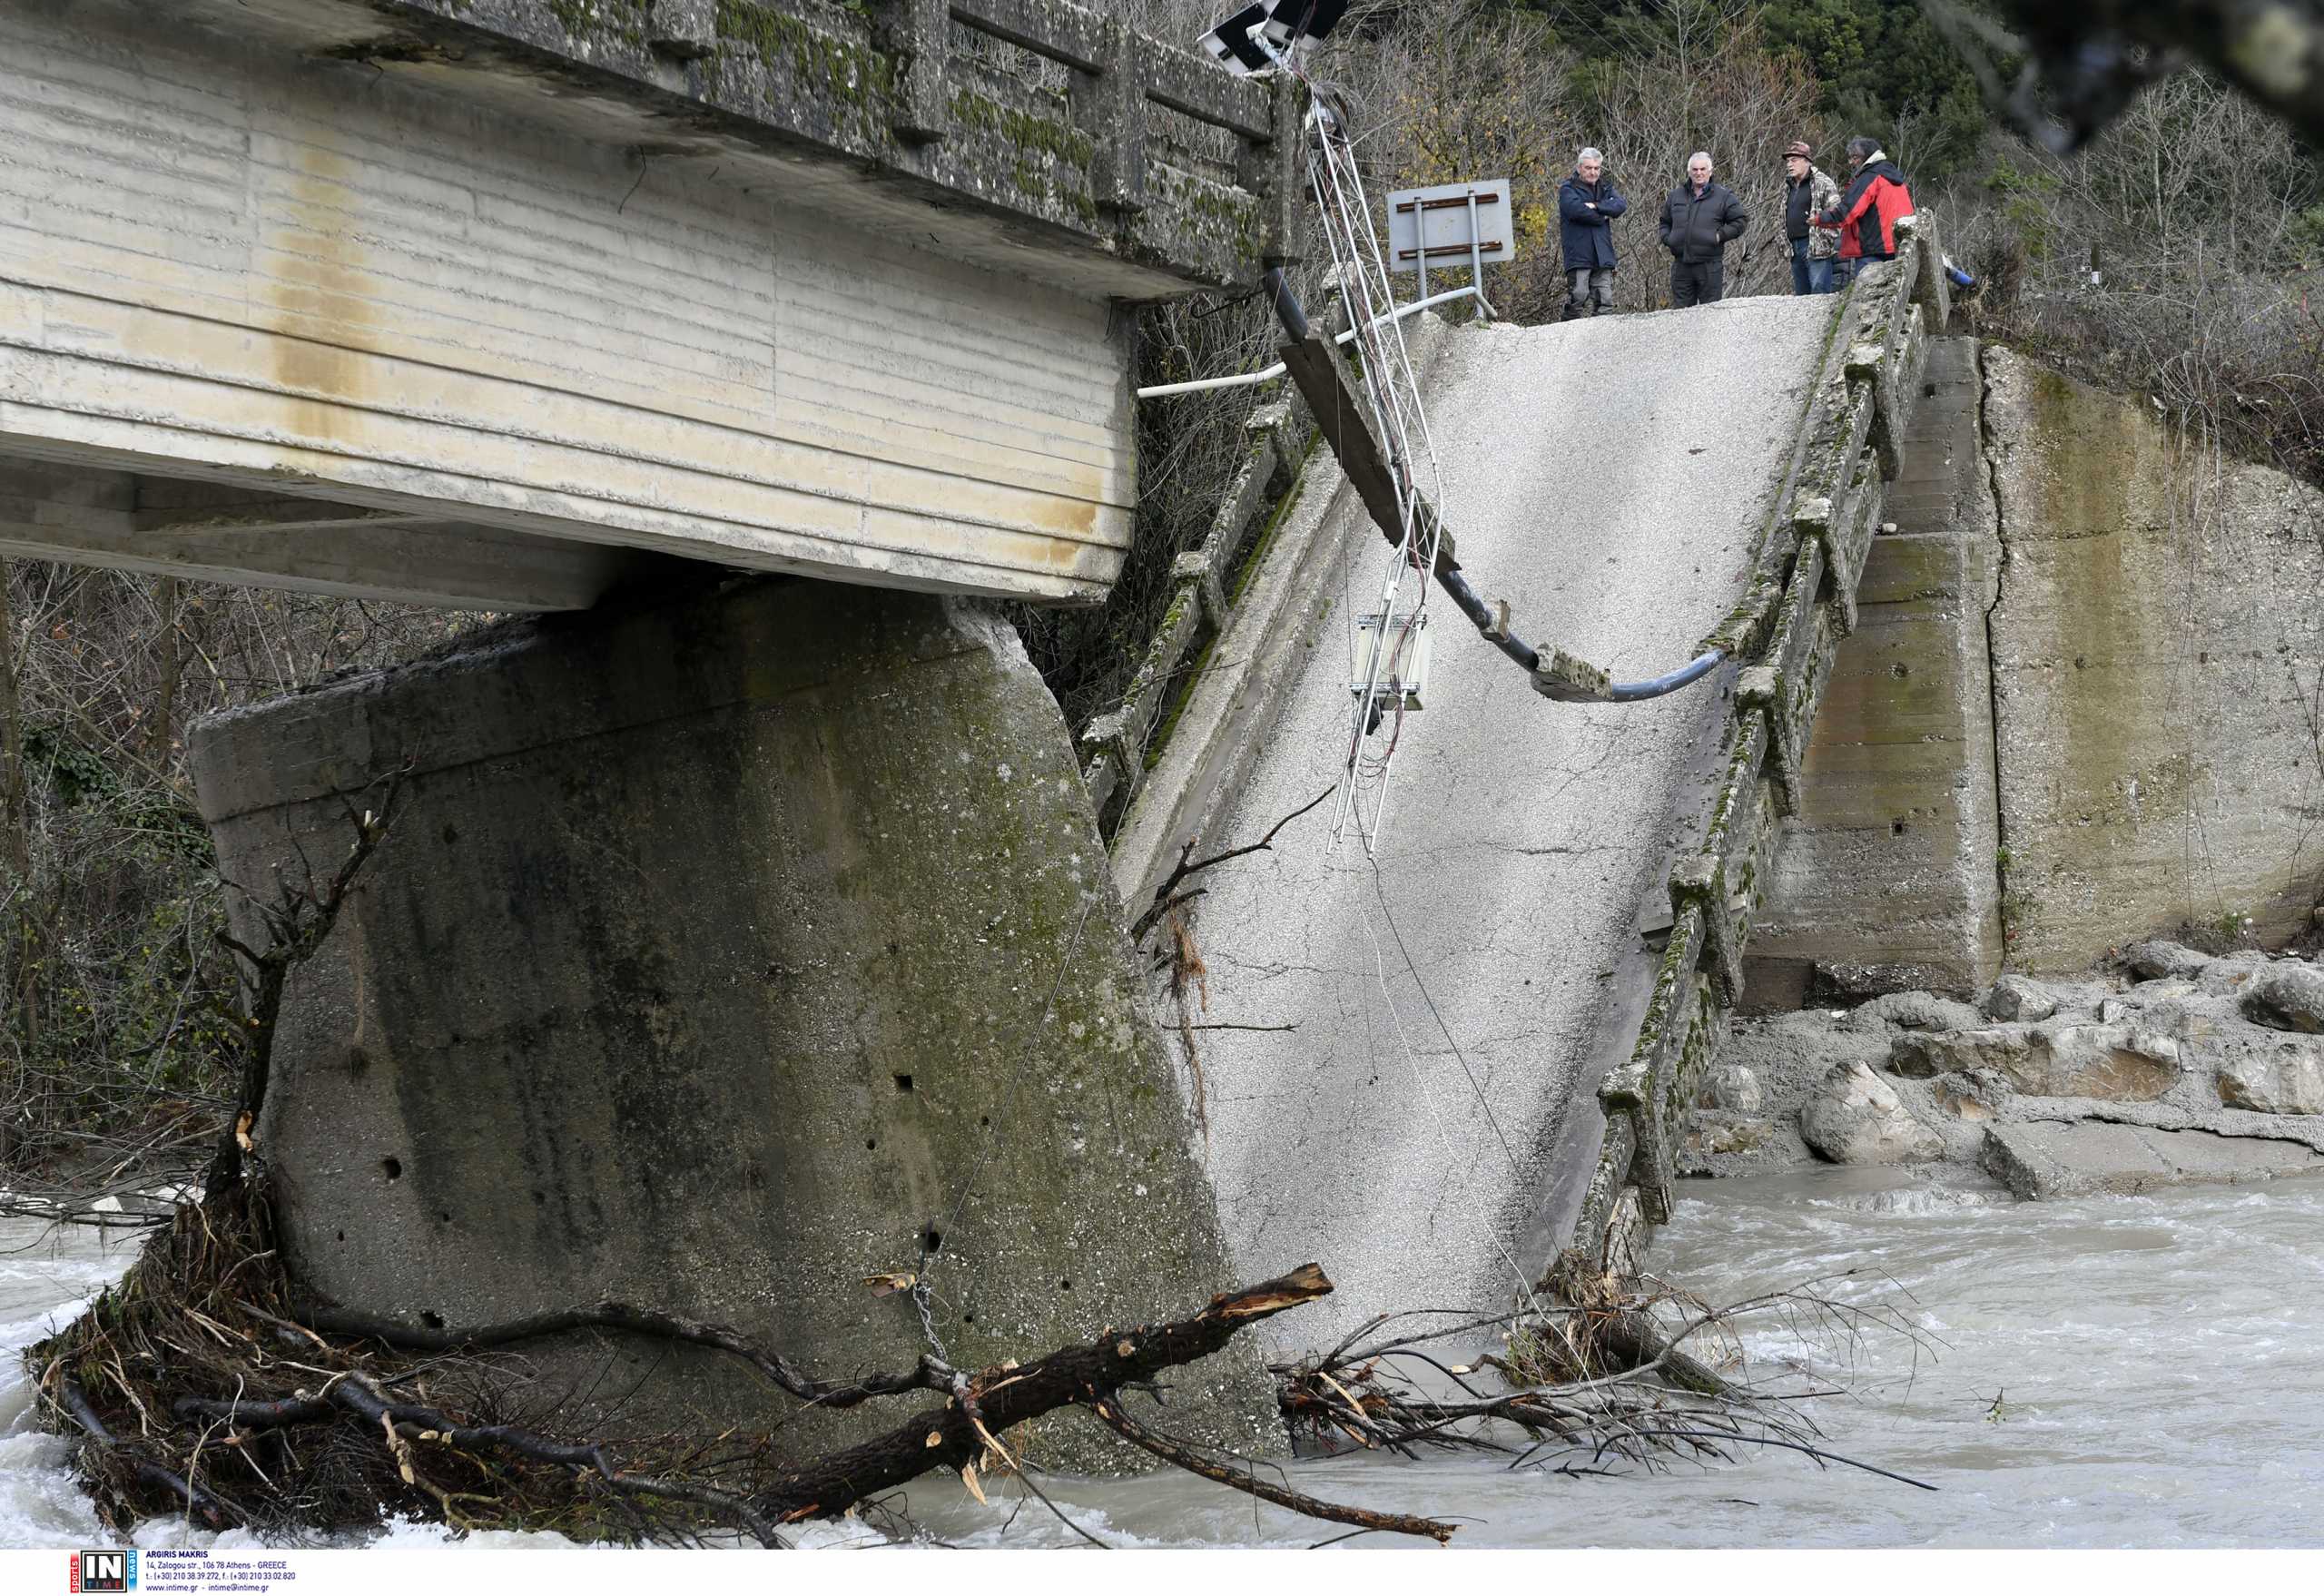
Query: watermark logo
[(104, 1574)]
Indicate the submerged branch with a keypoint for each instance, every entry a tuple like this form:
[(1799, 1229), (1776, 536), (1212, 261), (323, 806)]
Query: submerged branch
[(1246, 1479)]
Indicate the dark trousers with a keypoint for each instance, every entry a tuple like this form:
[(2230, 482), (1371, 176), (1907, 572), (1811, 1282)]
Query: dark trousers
[(1809, 276), (1698, 282), (1589, 290), (1849, 270)]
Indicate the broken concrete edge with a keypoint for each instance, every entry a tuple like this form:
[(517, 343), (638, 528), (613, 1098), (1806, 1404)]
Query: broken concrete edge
[(1199, 758), (1865, 393), (1119, 743), (2045, 1161), (879, 85)]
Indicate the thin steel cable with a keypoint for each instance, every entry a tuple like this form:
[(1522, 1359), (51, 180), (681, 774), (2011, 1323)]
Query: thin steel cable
[(1419, 1076)]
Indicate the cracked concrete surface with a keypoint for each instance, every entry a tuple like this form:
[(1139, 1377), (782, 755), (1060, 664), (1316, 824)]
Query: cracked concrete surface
[(1418, 1134)]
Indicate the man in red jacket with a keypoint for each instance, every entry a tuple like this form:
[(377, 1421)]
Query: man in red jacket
[(1866, 216)]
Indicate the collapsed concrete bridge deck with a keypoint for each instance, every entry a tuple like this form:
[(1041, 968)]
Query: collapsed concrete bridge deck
[(1451, 1002), (1444, 1064)]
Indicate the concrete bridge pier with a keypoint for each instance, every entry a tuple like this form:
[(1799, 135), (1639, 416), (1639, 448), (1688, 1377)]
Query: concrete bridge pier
[(725, 951)]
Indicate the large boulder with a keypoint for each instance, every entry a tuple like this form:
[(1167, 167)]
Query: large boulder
[(1857, 1117), (2121, 1062), (2162, 960), (1911, 1011), (2288, 1078), (2290, 997)]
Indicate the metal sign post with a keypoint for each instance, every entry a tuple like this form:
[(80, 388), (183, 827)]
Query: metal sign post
[(1452, 223)]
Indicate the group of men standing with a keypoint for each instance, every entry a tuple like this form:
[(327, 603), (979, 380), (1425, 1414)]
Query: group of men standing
[(1832, 232)]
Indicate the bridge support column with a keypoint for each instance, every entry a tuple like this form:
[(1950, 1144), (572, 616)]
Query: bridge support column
[(721, 954)]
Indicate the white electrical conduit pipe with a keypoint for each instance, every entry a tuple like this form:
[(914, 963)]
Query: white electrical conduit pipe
[(1251, 379)]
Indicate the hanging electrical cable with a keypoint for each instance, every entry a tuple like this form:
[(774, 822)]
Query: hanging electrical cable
[(1400, 421), (1388, 640)]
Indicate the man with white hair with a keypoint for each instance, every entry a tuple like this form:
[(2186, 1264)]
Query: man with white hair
[(1700, 219), (1588, 204)]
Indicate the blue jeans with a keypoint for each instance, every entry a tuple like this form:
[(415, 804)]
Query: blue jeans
[(1851, 270), (1809, 276)]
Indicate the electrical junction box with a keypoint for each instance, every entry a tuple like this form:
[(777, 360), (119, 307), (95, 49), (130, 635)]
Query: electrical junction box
[(1403, 674)]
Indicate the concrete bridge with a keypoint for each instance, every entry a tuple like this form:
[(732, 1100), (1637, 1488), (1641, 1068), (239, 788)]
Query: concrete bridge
[(499, 303), (739, 943)]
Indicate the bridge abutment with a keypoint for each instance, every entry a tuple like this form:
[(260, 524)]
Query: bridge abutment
[(722, 953)]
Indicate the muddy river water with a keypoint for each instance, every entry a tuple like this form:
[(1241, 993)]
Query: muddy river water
[(2107, 1372)]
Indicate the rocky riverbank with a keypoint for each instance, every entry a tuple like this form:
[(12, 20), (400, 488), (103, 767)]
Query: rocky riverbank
[(2175, 1068)]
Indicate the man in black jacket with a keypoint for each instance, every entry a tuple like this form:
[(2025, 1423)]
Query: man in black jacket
[(1699, 219), (1588, 204)]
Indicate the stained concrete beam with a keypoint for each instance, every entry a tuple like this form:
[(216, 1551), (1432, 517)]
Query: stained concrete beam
[(460, 299), (302, 545), (807, 94)]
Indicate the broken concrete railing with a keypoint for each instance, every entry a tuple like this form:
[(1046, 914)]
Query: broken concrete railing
[(1786, 631), (1207, 580)]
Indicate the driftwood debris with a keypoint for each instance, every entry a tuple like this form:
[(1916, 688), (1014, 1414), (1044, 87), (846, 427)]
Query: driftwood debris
[(206, 1381), (205, 1385), (1246, 1479)]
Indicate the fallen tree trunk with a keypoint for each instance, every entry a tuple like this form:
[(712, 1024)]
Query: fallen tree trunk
[(963, 1429)]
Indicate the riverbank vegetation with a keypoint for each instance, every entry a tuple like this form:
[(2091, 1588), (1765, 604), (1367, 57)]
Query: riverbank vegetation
[(118, 1052)]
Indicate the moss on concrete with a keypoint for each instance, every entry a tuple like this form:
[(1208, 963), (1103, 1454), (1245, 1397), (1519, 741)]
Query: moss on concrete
[(856, 81), (621, 20), (740, 947)]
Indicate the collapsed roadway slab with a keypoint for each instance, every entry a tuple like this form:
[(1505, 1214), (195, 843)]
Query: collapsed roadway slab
[(1440, 1071), (1451, 1004)]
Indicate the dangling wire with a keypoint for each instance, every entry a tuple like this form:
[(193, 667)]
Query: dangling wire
[(1384, 639), (1387, 640)]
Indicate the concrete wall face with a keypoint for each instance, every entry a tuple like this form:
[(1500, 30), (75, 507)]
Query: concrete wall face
[(705, 967), (1885, 878), (256, 266), (2157, 650)]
